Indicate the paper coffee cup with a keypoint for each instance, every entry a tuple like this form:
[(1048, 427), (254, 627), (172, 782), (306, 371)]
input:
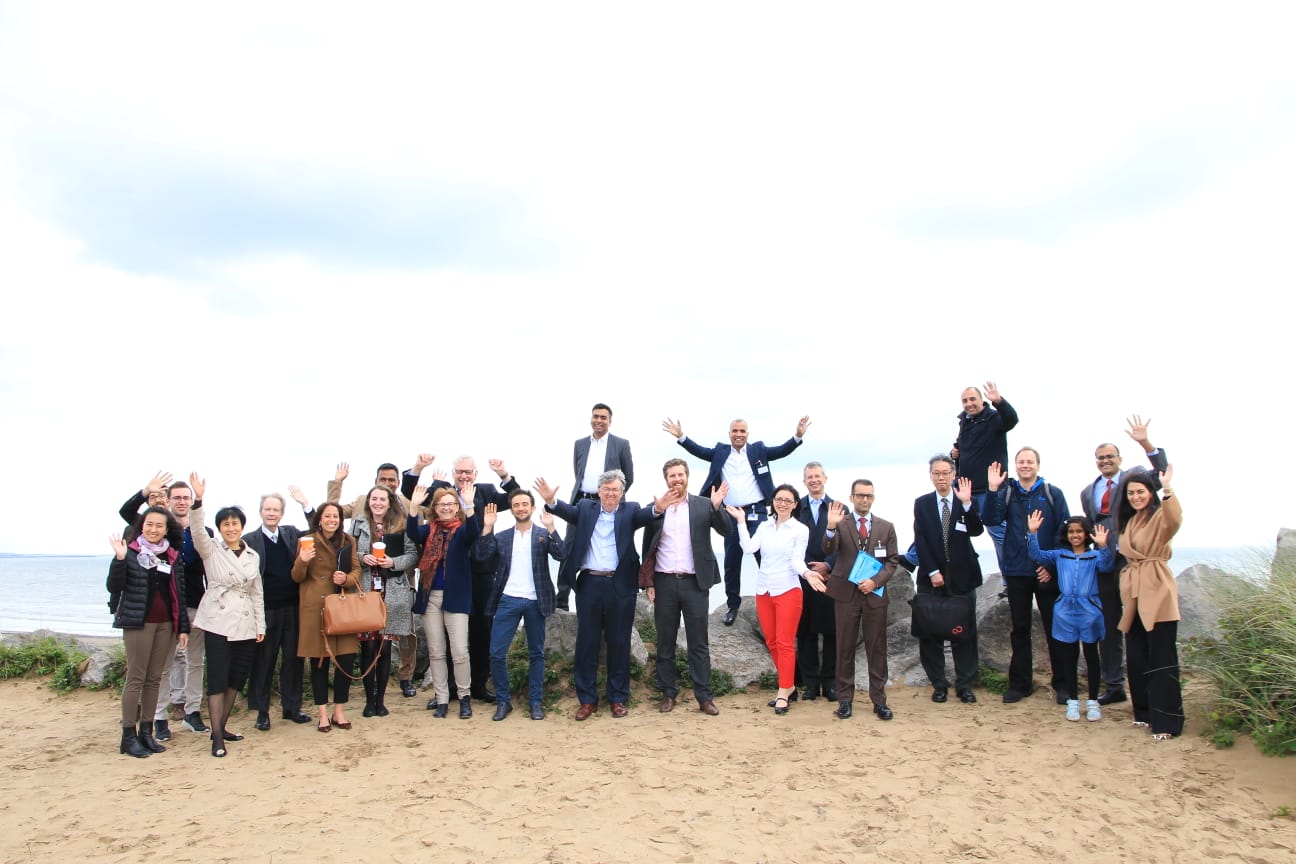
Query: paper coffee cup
[(380, 550)]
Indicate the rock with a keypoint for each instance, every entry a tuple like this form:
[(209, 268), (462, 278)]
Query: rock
[(1198, 610), (94, 669), (739, 650), (1285, 553)]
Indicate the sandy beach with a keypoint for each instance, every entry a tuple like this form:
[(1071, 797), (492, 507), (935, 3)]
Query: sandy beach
[(948, 782)]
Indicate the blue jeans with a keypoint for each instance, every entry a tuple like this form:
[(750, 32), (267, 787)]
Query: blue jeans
[(512, 610), (995, 531)]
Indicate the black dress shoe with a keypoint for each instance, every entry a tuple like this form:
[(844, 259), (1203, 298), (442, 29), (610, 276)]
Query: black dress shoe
[(502, 710), (297, 716), (830, 693), (883, 712), (1017, 695), (232, 736), (843, 710), (263, 721), (368, 710), (811, 693), (967, 697), (407, 689), (483, 696), (730, 616), (940, 694), (465, 708), (432, 704), (440, 711), (1061, 697), (1112, 696)]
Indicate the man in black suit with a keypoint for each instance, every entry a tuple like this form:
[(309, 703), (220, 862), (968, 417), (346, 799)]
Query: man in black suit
[(276, 548), (679, 568), (817, 668), (603, 567), (944, 524), (479, 623), (591, 456), (1099, 503)]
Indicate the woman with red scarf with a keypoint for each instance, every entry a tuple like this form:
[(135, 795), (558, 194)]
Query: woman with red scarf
[(445, 589)]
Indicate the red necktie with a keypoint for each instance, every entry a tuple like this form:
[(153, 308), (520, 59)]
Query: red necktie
[(863, 528), (1105, 506)]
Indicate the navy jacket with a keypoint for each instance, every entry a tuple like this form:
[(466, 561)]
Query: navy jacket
[(962, 569), (1016, 557), (458, 585), (582, 516), (982, 441), (758, 454), (497, 550)]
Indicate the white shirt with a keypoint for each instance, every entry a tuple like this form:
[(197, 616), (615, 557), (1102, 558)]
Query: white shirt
[(594, 463), (675, 549), (738, 473), (782, 549), (521, 579)]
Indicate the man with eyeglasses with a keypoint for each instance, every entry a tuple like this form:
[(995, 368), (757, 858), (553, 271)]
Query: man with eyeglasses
[(592, 455), (744, 465), (478, 495), (1099, 502), (945, 521), (816, 667), (863, 605)]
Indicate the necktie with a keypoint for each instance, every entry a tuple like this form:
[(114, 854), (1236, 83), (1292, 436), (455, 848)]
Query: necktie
[(945, 525), (863, 528), (1105, 505)]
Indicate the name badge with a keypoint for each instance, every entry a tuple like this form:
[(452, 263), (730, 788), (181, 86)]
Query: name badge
[(959, 526), (880, 551), (764, 469), (753, 517), (164, 567)]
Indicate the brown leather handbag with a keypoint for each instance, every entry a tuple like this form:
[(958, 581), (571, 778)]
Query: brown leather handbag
[(348, 614)]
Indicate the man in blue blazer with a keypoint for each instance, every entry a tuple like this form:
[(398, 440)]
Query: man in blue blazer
[(945, 521), (603, 566), (610, 452), (1099, 501), (745, 467), (525, 596)]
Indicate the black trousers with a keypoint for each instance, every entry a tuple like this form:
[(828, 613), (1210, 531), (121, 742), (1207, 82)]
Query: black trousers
[(1112, 647), (967, 660), (319, 672), (1022, 590), (1154, 675), (479, 636), (676, 596), (816, 668), (1069, 655), (280, 639)]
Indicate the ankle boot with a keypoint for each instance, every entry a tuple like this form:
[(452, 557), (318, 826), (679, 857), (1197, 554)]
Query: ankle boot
[(146, 738), (130, 743)]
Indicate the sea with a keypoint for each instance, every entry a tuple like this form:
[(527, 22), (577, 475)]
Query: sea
[(67, 594)]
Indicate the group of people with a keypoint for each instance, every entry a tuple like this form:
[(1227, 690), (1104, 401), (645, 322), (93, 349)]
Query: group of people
[(242, 600)]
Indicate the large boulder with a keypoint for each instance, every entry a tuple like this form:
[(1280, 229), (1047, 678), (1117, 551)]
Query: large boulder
[(1285, 554), (739, 650), (1198, 609)]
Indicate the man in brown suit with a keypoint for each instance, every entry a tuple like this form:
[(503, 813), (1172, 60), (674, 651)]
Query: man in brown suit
[(856, 605)]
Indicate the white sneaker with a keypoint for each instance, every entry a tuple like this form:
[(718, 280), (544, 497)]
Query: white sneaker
[(1093, 711), (1073, 709)]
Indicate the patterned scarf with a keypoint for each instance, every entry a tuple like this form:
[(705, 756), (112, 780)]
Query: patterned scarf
[(439, 535), (149, 552)]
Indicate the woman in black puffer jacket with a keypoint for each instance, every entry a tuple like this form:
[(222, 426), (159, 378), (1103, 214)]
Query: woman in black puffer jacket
[(146, 595)]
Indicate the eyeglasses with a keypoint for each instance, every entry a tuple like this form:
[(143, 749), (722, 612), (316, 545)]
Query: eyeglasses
[(784, 501), (942, 473), (465, 470), (862, 495)]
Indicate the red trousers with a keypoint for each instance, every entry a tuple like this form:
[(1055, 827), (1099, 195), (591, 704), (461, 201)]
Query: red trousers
[(779, 617)]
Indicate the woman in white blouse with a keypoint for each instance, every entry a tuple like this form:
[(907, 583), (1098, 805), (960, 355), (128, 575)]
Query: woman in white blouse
[(782, 544)]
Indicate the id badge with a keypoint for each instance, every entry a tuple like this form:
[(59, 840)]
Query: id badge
[(960, 526), (164, 568), (764, 469), (377, 583), (753, 517), (879, 551)]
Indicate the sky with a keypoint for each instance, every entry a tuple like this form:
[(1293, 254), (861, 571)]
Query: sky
[(258, 240)]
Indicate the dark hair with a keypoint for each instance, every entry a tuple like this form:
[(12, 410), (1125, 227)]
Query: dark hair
[(394, 521), (519, 492), (179, 484), (860, 482), (796, 496), (598, 405), (1083, 522), (231, 512), (671, 463), (387, 466), (1124, 510), (315, 521), (174, 533)]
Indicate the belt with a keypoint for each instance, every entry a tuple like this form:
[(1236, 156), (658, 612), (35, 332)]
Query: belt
[(758, 507), (597, 572), (587, 496), (677, 575)]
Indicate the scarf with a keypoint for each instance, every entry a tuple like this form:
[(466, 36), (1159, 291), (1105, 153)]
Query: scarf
[(149, 552), (439, 534)]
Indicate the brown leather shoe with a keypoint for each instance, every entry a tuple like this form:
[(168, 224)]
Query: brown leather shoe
[(708, 707), (667, 705), (585, 710), (619, 710)]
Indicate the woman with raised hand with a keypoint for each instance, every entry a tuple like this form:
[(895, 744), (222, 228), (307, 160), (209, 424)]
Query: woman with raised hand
[(326, 564), (388, 556), (1150, 598), (146, 597), (232, 612)]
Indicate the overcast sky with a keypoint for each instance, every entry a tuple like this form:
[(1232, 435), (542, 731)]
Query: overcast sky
[(256, 239)]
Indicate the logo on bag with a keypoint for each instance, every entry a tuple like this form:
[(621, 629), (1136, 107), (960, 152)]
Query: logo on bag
[(958, 628)]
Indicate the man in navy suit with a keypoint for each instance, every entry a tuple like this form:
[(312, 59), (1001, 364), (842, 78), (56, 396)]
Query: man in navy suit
[(603, 567), (944, 524), (593, 455), (745, 467), (818, 671), (1099, 501), (521, 591), (678, 571)]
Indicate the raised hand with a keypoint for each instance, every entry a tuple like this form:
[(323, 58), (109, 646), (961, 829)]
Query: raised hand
[(1034, 521), (306, 552), (438, 474), (718, 494), (963, 492), (343, 471), (423, 460), (489, 514), (836, 512), (1138, 430), (1100, 536), (161, 480), (1166, 476), (418, 496), (497, 465), (803, 426), (547, 492), (995, 476), (547, 520), (992, 393), (295, 493), (672, 496), (673, 427), (118, 546), (198, 485)]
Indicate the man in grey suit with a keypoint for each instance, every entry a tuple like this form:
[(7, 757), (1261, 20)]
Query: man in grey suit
[(591, 456), (679, 568), (1099, 500)]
